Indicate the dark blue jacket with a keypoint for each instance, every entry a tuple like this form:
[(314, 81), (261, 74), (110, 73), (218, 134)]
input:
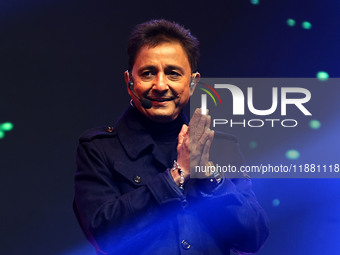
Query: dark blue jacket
[(126, 201)]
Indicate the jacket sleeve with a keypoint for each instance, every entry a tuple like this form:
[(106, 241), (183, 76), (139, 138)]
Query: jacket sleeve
[(235, 216), (105, 214)]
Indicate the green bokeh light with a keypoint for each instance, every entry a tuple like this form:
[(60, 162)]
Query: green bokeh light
[(252, 145), (322, 76), (276, 202), (255, 2), (315, 124), (306, 25), (7, 126), (292, 154), (2, 134), (291, 22)]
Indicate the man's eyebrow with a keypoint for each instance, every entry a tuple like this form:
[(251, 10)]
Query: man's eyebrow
[(148, 67), (167, 68), (174, 67)]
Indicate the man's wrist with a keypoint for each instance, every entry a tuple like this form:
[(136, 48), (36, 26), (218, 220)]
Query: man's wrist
[(177, 174), (214, 175)]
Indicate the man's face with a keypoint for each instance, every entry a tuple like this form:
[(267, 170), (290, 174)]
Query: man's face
[(161, 74)]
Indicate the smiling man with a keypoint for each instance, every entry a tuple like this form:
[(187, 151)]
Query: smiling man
[(161, 74), (133, 191)]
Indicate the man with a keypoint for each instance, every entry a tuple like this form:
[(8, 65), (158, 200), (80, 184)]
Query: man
[(133, 192)]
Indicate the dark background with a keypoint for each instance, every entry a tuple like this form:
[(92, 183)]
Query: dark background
[(61, 72)]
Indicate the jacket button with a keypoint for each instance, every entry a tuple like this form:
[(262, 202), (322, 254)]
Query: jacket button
[(186, 245), (109, 129), (137, 179)]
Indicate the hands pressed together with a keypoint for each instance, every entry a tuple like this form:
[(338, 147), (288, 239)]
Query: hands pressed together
[(194, 143)]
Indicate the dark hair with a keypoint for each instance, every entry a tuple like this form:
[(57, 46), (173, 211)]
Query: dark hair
[(154, 32)]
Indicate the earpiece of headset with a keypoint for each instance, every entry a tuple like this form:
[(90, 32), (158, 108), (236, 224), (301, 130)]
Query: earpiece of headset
[(130, 82), (192, 81), (146, 103)]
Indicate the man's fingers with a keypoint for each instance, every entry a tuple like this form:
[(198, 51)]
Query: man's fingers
[(195, 117), (205, 136), (182, 134), (204, 124), (199, 124), (208, 121), (206, 149)]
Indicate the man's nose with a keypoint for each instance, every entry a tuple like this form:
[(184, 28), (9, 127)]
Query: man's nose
[(160, 83)]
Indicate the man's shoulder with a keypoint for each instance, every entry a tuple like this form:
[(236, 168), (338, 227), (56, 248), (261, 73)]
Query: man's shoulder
[(98, 133), (225, 136)]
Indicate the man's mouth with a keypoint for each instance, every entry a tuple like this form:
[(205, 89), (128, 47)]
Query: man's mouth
[(160, 99)]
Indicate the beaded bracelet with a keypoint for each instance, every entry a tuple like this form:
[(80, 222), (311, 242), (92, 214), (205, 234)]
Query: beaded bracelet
[(181, 173)]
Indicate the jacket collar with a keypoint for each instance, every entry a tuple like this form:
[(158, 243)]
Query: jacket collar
[(133, 135)]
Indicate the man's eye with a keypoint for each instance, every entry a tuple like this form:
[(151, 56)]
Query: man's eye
[(147, 74), (174, 75)]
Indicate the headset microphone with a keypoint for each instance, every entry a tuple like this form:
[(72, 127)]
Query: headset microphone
[(146, 103)]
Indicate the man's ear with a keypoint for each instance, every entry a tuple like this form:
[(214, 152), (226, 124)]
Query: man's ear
[(127, 78), (195, 77)]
